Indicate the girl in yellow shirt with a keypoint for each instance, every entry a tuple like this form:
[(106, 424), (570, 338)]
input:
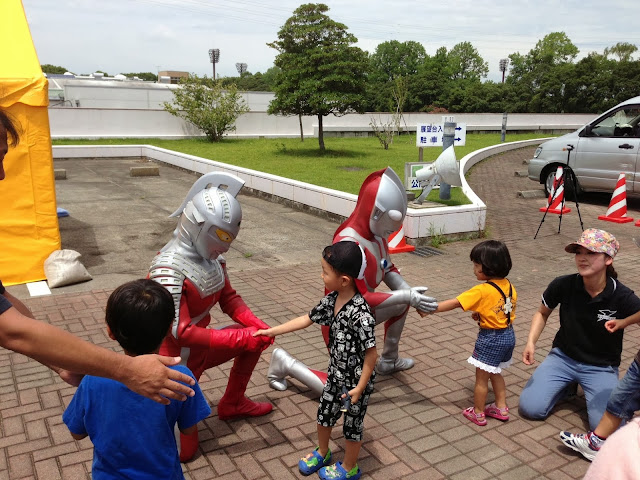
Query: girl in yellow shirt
[(493, 303)]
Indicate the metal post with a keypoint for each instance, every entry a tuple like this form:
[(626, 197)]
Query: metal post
[(504, 127), (448, 135)]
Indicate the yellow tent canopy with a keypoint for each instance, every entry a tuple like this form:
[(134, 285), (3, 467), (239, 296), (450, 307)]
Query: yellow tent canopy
[(28, 218)]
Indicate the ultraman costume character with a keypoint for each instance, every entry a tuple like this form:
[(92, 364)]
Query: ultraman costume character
[(191, 267), (379, 212)]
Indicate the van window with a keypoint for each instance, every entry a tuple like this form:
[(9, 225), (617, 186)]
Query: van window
[(621, 123)]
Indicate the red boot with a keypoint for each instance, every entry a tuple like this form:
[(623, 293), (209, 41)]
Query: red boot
[(188, 446), (228, 410)]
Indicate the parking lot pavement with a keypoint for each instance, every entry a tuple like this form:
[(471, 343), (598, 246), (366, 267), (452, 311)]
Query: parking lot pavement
[(414, 427)]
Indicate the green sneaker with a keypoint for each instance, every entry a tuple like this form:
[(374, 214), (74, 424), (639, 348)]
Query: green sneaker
[(337, 472), (313, 462)]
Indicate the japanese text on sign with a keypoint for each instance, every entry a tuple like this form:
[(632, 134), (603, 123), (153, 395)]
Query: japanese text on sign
[(430, 134)]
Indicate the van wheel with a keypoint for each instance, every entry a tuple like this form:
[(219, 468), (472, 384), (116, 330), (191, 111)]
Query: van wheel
[(549, 175)]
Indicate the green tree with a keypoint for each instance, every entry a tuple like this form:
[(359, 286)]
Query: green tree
[(395, 59), (146, 76), (429, 86), (202, 102), (623, 50), (48, 68), (248, 82), (269, 77), (390, 61), (539, 79), (322, 72), (465, 63), (554, 49)]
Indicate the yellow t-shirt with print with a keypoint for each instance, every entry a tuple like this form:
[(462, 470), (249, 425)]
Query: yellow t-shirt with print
[(487, 301)]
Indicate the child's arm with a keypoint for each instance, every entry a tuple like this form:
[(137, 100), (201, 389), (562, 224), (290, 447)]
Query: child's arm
[(443, 307), (613, 325), (370, 358), (448, 305), (290, 326)]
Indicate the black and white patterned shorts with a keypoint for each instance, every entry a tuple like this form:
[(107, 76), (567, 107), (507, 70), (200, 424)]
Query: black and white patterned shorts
[(329, 410)]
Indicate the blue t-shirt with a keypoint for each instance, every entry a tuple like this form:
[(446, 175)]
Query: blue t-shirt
[(133, 436)]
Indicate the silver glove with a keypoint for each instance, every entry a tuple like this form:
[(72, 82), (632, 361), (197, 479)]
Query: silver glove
[(422, 302)]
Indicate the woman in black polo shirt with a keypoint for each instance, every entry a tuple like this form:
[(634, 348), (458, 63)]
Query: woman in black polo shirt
[(583, 351)]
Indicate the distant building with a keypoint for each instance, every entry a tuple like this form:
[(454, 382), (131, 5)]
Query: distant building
[(173, 76)]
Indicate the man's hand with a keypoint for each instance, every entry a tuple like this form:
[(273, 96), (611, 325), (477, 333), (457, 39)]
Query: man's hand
[(528, 355), (421, 302), (71, 378), (149, 376)]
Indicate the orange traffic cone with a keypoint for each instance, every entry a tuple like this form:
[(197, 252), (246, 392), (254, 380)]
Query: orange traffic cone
[(617, 211), (397, 243), (555, 202)]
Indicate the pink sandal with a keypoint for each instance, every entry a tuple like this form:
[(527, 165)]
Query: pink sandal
[(494, 412), (477, 418)]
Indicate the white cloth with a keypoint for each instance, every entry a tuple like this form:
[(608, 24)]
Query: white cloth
[(619, 457)]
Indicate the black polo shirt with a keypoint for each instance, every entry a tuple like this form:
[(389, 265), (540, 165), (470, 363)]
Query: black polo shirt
[(582, 335), (4, 303)]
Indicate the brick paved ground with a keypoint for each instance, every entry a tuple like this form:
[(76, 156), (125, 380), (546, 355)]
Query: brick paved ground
[(414, 428)]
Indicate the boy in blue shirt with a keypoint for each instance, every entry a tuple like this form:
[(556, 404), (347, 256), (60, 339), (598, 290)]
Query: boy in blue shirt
[(133, 437)]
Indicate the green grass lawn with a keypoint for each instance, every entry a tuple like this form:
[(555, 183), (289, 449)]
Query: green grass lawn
[(343, 166)]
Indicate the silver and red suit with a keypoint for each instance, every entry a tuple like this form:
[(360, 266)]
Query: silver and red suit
[(379, 212), (191, 267)]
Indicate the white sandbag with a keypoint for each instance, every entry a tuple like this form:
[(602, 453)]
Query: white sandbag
[(63, 267)]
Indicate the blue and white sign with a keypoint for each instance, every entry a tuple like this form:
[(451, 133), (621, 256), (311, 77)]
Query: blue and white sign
[(430, 135)]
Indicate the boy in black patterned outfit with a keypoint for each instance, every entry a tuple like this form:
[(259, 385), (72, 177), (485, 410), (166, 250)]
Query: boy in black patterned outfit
[(352, 349)]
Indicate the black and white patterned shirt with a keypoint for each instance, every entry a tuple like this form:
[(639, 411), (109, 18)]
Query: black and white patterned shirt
[(351, 333)]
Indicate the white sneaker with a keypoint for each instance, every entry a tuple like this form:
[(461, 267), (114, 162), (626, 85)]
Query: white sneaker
[(581, 443)]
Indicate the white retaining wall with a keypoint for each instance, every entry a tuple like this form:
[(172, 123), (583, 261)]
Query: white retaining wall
[(144, 123), (419, 223)]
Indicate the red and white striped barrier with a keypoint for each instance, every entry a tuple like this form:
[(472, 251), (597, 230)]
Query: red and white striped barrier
[(617, 211), (555, 202), (397, 243)]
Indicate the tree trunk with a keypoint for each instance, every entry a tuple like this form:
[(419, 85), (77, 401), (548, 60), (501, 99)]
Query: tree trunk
[(320, 133), (301, 130)]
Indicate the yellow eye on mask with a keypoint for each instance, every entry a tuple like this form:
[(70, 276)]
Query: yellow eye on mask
[(224, 236)]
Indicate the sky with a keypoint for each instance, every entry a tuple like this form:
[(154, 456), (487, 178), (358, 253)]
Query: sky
[(125, 36)]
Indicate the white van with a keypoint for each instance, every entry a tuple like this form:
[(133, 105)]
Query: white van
[(597, 152)]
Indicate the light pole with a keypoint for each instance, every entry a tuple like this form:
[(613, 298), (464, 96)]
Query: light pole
[(241, 67), (214, 57), (504, 64)]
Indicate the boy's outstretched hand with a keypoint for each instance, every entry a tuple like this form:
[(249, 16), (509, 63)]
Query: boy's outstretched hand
[(265, 333), (613, 325), (149, 376)]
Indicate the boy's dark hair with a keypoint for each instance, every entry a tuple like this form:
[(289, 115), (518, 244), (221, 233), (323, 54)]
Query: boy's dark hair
[(139, 314), (11, 126), (344, 257), (494, 258)]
